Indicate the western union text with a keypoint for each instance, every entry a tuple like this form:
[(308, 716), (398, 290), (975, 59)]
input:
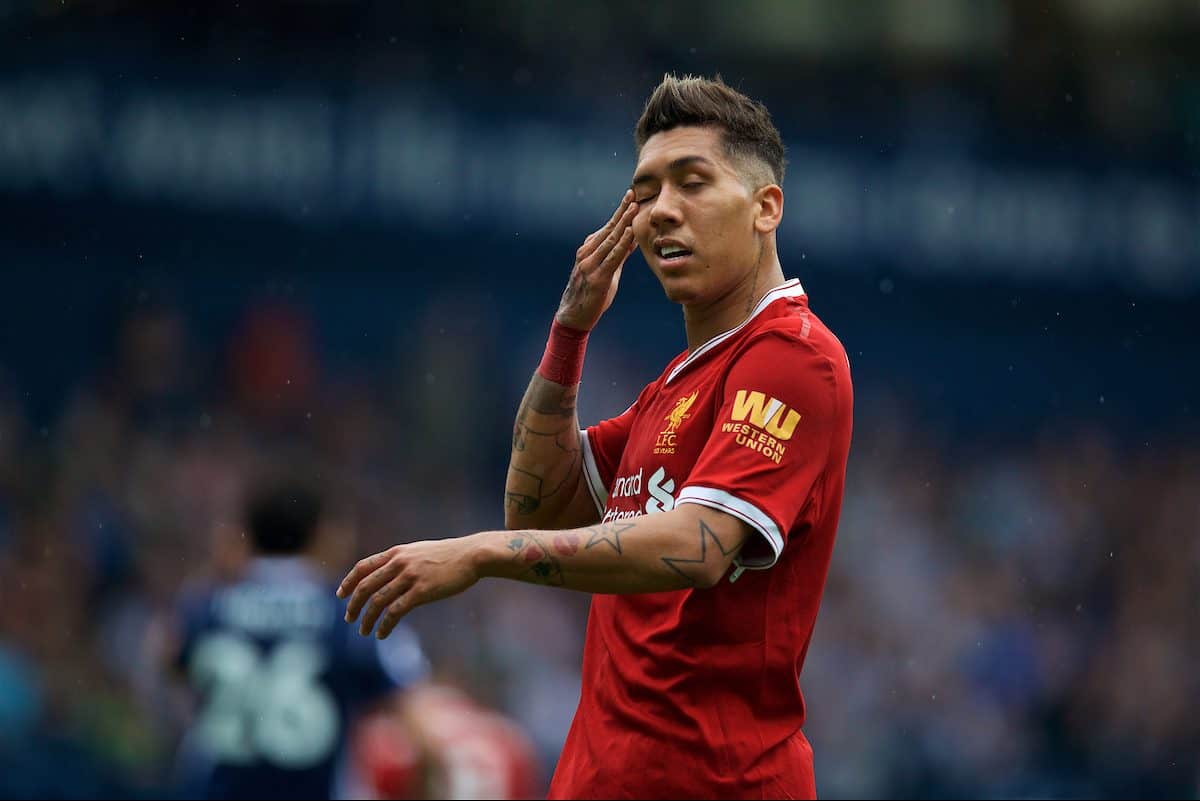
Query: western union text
[(750, 437)]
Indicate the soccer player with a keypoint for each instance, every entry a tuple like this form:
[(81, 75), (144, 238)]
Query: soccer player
[(703, 517), (279, 680)]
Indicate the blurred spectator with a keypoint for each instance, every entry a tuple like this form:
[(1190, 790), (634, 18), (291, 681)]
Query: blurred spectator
[(273, 366)]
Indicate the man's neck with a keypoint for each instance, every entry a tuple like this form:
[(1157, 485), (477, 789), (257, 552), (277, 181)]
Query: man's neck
[(702, 322)]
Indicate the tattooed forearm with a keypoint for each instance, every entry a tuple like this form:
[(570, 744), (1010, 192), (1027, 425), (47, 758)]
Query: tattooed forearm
[(546, 462), (525, 436), (524, 491), (527, 490), (540, 565), (693, 569), (550, 400), (682, 549), (609, 533)]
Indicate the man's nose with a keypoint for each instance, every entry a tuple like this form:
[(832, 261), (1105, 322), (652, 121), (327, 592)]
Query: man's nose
[(666, 208)]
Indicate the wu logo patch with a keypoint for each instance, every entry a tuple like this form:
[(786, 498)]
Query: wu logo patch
[(765, 413), (666, 439)]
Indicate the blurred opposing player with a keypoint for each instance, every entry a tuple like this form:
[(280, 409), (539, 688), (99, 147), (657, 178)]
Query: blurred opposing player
[(471, 752), (453, 747), (733, 460), (279, 683)]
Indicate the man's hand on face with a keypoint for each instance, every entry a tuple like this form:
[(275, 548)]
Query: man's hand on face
[(598, 262)]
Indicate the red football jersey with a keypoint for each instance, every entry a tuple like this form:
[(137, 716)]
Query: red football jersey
[(695, 693)]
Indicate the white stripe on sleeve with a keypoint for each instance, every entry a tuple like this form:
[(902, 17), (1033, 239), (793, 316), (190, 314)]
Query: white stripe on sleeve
[(591, 474), (748, 512)]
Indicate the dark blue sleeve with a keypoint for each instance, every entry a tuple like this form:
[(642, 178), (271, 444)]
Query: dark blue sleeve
[(191, 619), (382, 666)]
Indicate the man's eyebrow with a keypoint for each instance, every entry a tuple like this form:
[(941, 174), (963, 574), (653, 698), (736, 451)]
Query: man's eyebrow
[(679, 163)]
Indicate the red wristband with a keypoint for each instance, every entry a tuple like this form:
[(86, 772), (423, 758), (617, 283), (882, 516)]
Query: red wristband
[(562, 362)]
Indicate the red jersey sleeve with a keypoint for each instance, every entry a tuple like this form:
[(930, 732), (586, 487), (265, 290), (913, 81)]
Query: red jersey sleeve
[(770, 444), (603, 444)]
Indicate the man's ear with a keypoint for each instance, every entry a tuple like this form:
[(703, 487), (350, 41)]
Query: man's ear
[(768, 208)]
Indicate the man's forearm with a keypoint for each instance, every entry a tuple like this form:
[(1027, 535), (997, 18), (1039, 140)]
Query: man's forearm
[(690, 546), (545, 469), (686, 548), (544, 488)]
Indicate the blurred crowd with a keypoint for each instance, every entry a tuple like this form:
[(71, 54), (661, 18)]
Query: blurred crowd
[(1013, 618), (1121, 73)]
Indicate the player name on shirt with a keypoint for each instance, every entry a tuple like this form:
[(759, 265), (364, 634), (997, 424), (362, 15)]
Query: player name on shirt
[(265, 609)]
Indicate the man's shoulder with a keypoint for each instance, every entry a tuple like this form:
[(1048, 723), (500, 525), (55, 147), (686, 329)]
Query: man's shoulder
[(794, 354), (195, 598), (790, 337)]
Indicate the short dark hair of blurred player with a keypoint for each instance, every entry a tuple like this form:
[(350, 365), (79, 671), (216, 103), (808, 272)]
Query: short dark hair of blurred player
[(278, 679)]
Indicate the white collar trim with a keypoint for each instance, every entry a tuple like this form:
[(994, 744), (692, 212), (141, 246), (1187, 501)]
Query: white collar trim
[(788, 289)]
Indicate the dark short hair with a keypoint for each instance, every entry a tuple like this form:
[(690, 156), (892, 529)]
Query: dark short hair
[(746, 126), (282, 513)]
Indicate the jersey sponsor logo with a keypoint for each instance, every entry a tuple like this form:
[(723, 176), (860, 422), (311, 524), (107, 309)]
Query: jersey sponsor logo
[(761, 423), (766, 413), (620, 514), (627, 486), (665, 443), (659, 487)]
